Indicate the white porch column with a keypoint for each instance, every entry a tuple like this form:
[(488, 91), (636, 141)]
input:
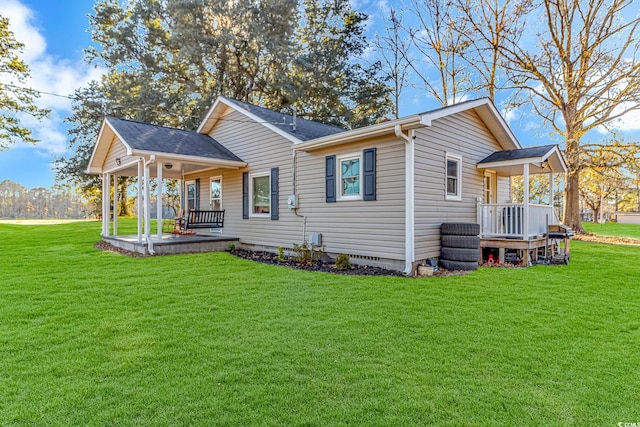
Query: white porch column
[(551, 196), (525, 213), (102, 232), (115, 205), (140, 200), (159, 196), (106, 200), (147, 207)]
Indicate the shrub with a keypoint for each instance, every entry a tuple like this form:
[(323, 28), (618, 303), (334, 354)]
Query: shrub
[(231, 247), (281, 257), (342, 262), (307, 254)]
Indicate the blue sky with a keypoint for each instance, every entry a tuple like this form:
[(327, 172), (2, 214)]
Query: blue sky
[(55, 34)]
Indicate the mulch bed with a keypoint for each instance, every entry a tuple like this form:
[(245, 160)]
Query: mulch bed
[(272, 258), (326, 267), (108, 247)]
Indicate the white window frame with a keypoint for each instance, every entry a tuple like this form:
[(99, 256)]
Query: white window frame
[(339, 160), (458, 195), (186, 196), (251, 207), (212, 179)]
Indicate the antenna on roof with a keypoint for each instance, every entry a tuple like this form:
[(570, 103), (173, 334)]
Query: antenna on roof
[(295, 116)]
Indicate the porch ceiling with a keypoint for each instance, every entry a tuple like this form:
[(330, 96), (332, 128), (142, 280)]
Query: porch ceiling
[(173, 167), (544, 159)]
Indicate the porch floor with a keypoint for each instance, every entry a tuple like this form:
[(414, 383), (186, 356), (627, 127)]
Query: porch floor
[(171, 244)]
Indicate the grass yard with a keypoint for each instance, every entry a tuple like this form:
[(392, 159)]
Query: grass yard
[(95, 338), (613, 229)]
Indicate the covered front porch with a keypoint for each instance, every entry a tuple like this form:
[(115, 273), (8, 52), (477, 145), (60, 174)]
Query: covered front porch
[(520, 227), (132, 149)]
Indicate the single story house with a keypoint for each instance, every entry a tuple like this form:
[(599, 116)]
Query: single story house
[(378, 194)]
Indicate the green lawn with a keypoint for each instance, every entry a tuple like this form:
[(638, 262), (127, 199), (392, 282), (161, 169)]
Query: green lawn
[(94, 338), (613, 229)]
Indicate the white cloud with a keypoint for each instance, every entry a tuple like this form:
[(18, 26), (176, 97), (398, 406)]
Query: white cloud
[(20, 22), (47, 74), (629, 122)]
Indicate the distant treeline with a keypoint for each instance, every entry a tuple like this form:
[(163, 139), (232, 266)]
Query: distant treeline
[(18, 202)]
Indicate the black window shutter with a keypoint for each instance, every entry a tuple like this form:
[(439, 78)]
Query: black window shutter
[(274, 193), (369, 169), (197, 204), (330, 178), (245, 195)]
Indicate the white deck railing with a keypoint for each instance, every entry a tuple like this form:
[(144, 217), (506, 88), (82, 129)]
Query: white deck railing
[(508, 220)]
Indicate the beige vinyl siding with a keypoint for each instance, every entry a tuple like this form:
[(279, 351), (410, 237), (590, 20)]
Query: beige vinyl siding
[(117, 150), (504, 189), (262, 149), (357, 227), (463, 135)]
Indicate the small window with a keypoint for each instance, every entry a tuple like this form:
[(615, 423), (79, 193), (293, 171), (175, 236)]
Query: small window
[(350, 179), (260, 189), (192, 195), (216, 194), (453, 177)]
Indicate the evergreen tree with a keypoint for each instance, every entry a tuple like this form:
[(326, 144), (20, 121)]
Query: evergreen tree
[(14, 98)]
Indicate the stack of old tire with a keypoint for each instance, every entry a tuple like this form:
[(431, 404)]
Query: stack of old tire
[(460, 243)]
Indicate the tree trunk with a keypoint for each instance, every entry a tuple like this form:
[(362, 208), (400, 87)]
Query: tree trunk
[(123, 198), (571, 216)]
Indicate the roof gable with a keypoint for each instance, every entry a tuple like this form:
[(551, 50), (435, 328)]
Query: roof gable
[(140, 139), (282, 124), (487, 111), (542, 159), (160, 139)]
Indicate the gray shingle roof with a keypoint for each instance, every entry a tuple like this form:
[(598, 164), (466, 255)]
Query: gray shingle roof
[(305, 129), (147, 137), (521, 153)]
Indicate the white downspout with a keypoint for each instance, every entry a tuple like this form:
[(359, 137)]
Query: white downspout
[(115, 205), (147, 207), (409, 198)]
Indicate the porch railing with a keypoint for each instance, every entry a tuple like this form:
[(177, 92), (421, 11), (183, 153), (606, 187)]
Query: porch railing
[(507, 220)]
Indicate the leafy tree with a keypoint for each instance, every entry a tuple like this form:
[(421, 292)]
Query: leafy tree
[(580, 74), (168, 60), (14, 99)]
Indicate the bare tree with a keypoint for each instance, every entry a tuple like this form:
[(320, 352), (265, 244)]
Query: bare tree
[(487, 26), (393, 47), (581, 73), (440, 46)]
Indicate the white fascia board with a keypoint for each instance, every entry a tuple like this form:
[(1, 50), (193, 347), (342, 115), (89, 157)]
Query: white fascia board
[(409, 122), (505, 163), (191, 159), (253, 117), (91, 170), (208, 115), (555, 150), (426, 119), (122, 140)]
